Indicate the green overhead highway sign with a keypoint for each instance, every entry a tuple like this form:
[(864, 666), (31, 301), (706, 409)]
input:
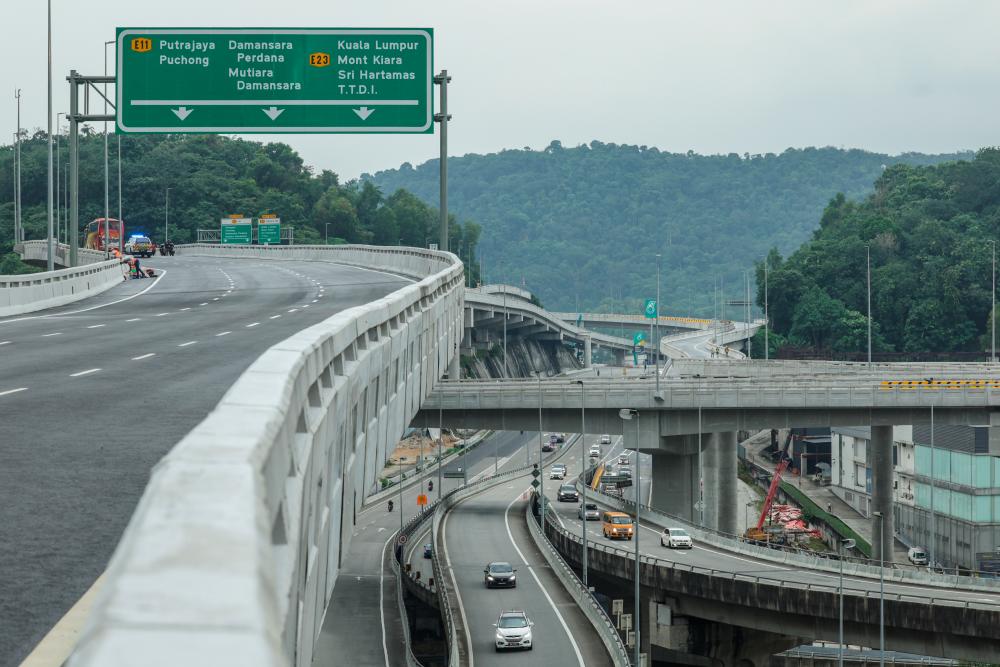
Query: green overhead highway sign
[(649, 310), (262, 80)]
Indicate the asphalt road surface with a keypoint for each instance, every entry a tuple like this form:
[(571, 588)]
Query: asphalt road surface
[(92, 395)]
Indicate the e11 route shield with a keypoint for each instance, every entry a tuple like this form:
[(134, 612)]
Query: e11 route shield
[(273, 80)]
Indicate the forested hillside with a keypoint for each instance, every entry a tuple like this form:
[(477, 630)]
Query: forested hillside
[(211, 177), (930, 230), (585, 223)]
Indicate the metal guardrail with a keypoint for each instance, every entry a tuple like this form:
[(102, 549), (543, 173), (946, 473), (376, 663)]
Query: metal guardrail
[(871, 658), (590, 607)]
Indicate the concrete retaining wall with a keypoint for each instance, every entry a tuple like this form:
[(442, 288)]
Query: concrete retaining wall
[(234, 548), (37, 291)]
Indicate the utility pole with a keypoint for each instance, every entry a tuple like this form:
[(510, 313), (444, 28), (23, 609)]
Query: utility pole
[(166, 215), (107, 212), (443, 80), (18, 212), (657, 354), (868, 272), (50, 259)]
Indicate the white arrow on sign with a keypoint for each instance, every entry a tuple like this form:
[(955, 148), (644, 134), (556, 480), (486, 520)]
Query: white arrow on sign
[(273, 112), (364, 112), (182, 112)]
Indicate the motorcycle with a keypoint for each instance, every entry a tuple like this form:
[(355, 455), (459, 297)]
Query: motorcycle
[(390, 505)]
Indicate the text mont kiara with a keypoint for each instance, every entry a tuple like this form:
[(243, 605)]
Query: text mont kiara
[(252, 57)]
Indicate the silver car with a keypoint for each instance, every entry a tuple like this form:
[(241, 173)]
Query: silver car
[(591, 512), (513, 630)]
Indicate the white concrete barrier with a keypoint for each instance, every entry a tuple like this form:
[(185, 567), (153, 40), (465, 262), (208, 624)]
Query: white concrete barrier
[(37, 291), (233, 550)]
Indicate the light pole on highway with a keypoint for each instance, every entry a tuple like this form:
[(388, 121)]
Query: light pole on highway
[(50, 260), (440, 439), (18, 212), (505, 330), (845, 546), (627, 414), (881, 587), (656, 355), (583, 466), (107, 212), (327, 233), (746, 514), (58, 175), (541, 471), (993, 307), (767, 323), (868, 272), (166, 213)]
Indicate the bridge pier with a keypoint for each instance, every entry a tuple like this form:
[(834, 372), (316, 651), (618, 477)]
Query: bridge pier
[(882, 478), (588, 352), (675, 480)]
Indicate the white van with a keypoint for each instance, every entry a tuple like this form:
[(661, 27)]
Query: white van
[(917, 555)]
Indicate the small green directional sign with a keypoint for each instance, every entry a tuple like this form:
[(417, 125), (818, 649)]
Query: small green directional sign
[(237, 231), (263, 80), (269, 231), (638, 338), (649, 310), (535, 484)]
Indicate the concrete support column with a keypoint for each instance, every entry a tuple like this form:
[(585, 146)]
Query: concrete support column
[(454, 367), (882, 474), (719, 460), (587, 352), (619, 357), (675, 483), (728, 499)]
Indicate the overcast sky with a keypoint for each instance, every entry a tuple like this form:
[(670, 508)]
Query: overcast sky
[(713, 77)]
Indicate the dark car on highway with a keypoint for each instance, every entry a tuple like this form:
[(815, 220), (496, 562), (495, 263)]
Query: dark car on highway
[(499, 574), (568, 492)]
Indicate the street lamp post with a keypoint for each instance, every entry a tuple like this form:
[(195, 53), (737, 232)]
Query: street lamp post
[(541, 476), (993, 307), (583, 467), (767, 322), (627, 414), (845, 546), (746, 514), (58, 175), (327, 233), (107, 212), (881, 588), (18, 212), (166, 214), (868, 273), (50, 260), (656, 354)]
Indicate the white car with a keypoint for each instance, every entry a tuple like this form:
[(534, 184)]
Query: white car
[(513, 631), (675, 538), (558, 471), (623, 459), (595, 450), (605, 439)]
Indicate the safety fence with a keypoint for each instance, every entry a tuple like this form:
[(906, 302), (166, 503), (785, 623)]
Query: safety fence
[(234, 548)]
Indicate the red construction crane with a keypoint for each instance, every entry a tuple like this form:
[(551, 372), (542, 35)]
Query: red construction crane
[(758, 532)]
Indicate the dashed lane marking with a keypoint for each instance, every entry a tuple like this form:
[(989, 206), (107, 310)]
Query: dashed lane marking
[(96, 326), (292, 310), (183, 309), (134, 319), (13, 391), (58, 333), (86, 372), (203, 304), (190, 342), (223, 333), (4, 342), (144, 356), (274, 317), (161, 314), (252, 324)]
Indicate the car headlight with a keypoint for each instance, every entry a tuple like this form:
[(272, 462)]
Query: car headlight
[(513, 577), (527, 636), (499, 636), (489, 577)]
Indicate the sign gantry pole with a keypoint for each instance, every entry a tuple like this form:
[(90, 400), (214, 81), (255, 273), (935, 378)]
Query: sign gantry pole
[(442, 80)]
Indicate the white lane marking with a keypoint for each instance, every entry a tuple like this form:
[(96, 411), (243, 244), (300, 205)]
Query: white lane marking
[(252, 324), (215, 299), (274, 317), (86, 372), (190, 342), (293, 310), (203, 304), (454, 587), (183, 309), (58, 333), (381, 598), (223, 333), (13, 391), (4, 342), (562, 621), (161, 314), (96, 326), (134, 319), (144, 356), (305, 305), (85, 310), (314, 300)]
